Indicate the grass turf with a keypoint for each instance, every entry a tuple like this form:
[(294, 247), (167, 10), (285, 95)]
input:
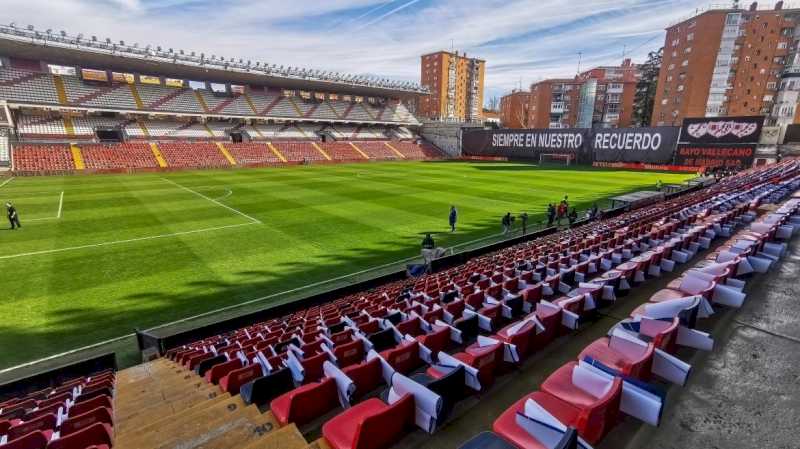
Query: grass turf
[(137, 251)]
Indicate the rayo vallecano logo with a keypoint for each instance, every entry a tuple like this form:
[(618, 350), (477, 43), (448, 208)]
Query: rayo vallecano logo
[(722, 128)]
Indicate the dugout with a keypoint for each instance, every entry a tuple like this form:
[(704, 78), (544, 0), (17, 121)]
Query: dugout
[(636, 199)]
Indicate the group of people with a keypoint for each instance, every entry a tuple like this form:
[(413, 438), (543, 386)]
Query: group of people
[(557, 213)]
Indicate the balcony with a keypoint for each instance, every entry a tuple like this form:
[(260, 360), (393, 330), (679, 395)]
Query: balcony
[(557, 108), (791, 70)]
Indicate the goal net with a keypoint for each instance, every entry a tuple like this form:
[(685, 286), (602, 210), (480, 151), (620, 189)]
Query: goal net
[(556, 158)]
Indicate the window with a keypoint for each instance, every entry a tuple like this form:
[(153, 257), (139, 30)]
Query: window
[(674, 54), (690, 37), (685, 63), (687, 50), (664, 102), (669, 78), (782, 45), (767, 98), (671, 66), (680, 88)]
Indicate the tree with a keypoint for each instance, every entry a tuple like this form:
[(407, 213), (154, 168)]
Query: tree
[(646, 88)]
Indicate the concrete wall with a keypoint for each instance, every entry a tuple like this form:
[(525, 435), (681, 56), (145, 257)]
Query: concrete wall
[(446, 136)]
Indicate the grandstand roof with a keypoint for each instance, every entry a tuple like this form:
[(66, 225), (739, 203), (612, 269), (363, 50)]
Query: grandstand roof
[(66, 50)]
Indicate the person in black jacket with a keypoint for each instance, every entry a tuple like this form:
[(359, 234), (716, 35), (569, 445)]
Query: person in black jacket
[(13, 217), (551, 214)]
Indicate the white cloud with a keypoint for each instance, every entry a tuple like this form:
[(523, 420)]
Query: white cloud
[(528, 39)]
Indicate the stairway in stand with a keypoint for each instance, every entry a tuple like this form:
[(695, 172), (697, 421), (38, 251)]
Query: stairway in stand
[(162, 405)]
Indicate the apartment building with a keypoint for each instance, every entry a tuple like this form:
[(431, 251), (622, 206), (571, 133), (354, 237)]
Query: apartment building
[(514, 109), (456, 85), (731, 62), (600, 97)]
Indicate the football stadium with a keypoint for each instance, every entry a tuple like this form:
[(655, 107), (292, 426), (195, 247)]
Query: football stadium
[(209, 252)]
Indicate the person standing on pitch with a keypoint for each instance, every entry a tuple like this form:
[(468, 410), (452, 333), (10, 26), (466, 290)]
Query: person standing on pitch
[(13, 217), (524, 218), (453, 218), (551, 214), (506, 221)]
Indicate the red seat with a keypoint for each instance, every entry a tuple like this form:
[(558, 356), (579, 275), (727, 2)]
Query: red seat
[(238, 377), (77, 423), (312, 367), (306, 402), (97, 401), (367, 376), (484, 359), (220, 370), (371, 424), (522, 339), (98, 436), (45, 423), (638, 367), (409, 326), (437, 340), (551, 320), (404, 358), (32, 440), (597, 415), (349, 353), (342, 337)]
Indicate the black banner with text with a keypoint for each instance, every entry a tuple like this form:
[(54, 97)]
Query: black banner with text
[(647, 145), (525, 143)]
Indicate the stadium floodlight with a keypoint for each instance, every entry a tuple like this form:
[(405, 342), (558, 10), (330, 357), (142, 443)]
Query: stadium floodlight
[(63, 33), (13, 25), (30, 27)]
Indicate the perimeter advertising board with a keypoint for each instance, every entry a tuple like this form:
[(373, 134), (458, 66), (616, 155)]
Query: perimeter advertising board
[(525, 143), (647, 145)]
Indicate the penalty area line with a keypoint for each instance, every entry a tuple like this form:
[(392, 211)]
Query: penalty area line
[(118, 242), (236, 211), (6, 181)]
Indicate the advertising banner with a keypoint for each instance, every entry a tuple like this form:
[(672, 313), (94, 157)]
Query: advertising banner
[(94, 75), (792, 134), (721, 130), (525, 144), (173, 82), (713, 156), (648, 145), (123, 77), (147, 79)]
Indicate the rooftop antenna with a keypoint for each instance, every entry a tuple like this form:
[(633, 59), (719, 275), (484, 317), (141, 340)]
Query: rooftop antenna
[(624, 51), (735, 4), (580, 55), (452, 46)]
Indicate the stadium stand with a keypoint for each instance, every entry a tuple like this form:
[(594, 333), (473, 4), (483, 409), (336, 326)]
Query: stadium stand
[(193, 154), (343, 151), (131, 155), (77, 413), (339, 350), (42, 158), (252, 153)]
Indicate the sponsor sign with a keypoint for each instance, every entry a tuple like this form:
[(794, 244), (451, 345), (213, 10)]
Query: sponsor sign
[(94, 75), (792, 134), (722, 130), (712, 156), (147, 79), (123, 77), (173, 82), (524, 144), (647, 145)]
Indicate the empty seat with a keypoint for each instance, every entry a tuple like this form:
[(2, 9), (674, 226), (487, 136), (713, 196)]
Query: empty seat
[(371, 424), (305, 403), (238, 377)]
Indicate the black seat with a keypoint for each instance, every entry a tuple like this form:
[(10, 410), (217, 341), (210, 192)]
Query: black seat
[(468, 328), (515, 304), (450, 387), (266, 388), (336, 328), (394, 318), (487, 440), (206, 365), (382, 340)]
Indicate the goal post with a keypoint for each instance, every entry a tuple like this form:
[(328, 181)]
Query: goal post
[(556, 158)]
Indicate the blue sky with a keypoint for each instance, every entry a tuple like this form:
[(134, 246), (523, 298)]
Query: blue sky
[(522, 40)]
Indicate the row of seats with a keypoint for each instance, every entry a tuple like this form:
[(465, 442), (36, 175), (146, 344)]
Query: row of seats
[(50, 127), (19, 85), (76, 414), (403, 324), (616, 375), (137, 154)]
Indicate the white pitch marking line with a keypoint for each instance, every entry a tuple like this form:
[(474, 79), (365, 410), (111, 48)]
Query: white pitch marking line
[(117, 242), (254, 220), (7, 181), (60, 204)]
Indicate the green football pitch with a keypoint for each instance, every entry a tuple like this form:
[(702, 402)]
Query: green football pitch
[(100, 255)]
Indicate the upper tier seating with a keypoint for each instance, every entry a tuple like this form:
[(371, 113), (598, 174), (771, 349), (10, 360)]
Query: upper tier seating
[(24, 86), (35, 126)]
